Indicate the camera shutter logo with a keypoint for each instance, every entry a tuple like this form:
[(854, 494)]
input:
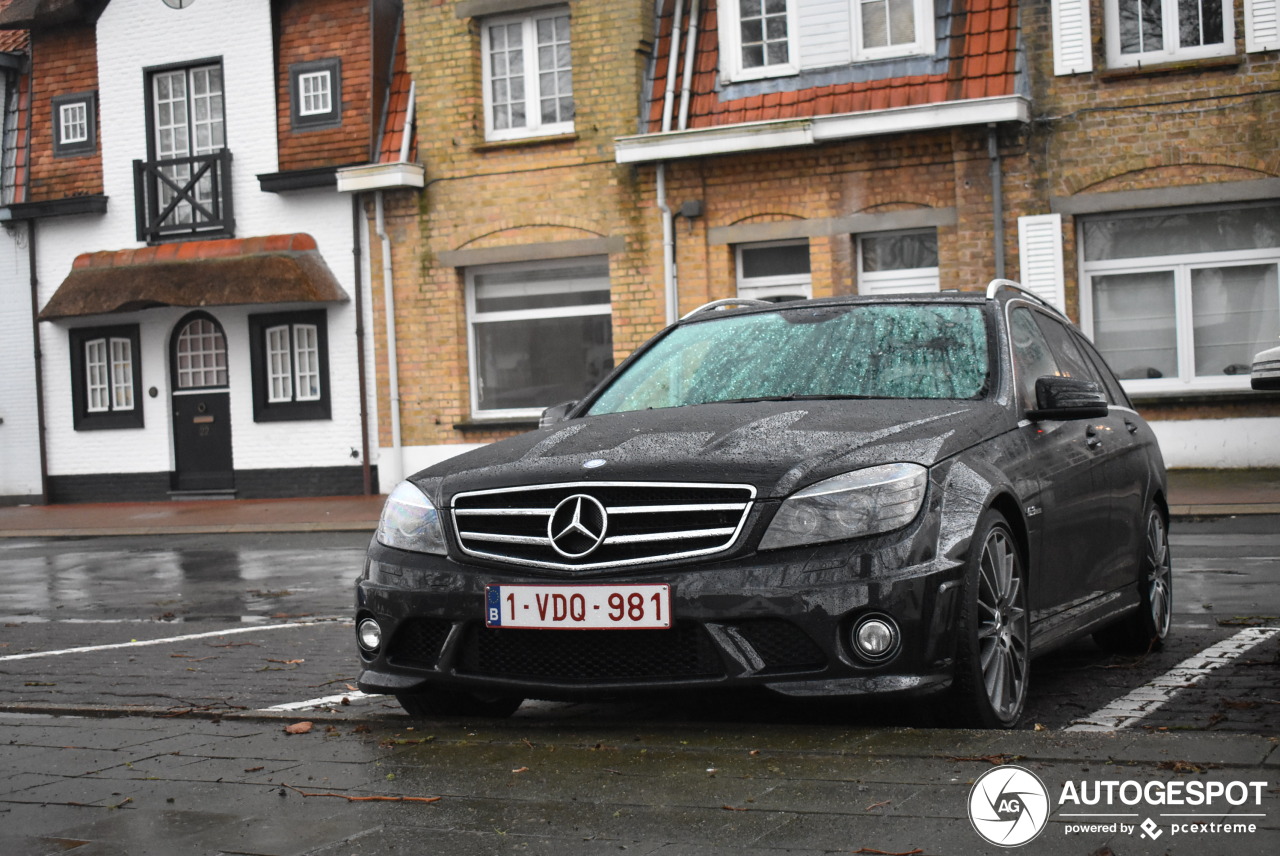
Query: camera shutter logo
[(1008, 806)]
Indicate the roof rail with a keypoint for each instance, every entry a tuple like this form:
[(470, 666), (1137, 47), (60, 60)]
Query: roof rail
[(728, 301), (998, 285)]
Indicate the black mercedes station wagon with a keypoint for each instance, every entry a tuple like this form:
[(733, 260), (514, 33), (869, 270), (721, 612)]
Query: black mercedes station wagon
[(843, 497)]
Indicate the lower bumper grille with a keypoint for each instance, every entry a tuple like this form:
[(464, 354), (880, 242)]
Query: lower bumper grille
[(418, 642), (589, 656), (781, 645)]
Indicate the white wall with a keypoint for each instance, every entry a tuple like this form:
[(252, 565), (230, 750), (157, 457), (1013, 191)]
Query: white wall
[(134, 35), (1219, 443), (19, 426)]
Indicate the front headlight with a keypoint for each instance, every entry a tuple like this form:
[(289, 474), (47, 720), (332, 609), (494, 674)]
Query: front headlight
[(853, 505), (410, 522)]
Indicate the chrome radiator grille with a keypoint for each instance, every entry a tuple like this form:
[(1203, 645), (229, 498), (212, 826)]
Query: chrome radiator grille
[(589, 525)]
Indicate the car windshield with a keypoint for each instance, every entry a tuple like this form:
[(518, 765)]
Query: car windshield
[(898, 350)]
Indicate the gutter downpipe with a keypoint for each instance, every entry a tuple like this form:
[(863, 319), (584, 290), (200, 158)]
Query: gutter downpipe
[(38, 357), (670, 287), (997, 199), (393, 370), (690, 43), (366, 473)]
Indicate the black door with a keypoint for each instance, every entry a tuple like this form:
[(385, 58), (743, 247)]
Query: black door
[(201, 406)]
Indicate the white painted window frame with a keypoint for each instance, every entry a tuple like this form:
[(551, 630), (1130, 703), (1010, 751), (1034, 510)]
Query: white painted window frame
[(1184, 323), (315, 90), (108, 376), (772, 287), (922, 44), (533, 126), (904, 281), (1169, 51), (306, 363), (730, 32), (73, 121), (475, 318)]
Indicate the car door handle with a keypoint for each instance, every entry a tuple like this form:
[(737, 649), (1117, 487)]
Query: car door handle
[(1091, 438)]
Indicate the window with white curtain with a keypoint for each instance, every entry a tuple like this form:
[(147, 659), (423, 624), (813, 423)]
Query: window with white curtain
[(898, 262), (1182, 299)]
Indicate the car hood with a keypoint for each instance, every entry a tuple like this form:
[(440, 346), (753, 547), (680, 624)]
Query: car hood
[(777, 447)]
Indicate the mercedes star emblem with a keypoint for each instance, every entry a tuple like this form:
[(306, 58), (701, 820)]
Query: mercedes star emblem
[(577, 526)]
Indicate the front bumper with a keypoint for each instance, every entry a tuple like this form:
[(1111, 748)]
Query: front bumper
[(780, 620)]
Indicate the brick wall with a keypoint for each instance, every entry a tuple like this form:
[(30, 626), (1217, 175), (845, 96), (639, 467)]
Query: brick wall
[(1181, 125), (488, 195), (321, 30), (64, 61)]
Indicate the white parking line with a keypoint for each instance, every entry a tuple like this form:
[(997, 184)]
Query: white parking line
[(325, 701), (164, 641), (1134, 707)]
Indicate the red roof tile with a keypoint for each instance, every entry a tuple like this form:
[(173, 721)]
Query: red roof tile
[(983, 50), (398, 109)]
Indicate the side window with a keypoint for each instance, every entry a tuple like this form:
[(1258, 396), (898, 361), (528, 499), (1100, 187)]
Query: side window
[(1115, 392), (1071, 361), (1032, 357), (106, 378), (774, 271), (289, 352)]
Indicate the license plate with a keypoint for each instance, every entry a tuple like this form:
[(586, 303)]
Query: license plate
[(617, 607)]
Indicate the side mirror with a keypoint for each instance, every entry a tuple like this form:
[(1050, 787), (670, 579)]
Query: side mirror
[(555, 414), (1266, 370), (1068, 398)]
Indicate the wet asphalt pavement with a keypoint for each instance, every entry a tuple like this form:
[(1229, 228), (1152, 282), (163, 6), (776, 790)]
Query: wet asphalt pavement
[(139, 673)]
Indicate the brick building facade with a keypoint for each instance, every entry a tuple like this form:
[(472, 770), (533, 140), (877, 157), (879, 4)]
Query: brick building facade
[(811, 148)]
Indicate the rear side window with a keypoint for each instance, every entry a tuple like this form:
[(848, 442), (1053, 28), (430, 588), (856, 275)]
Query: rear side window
[(914, 351)]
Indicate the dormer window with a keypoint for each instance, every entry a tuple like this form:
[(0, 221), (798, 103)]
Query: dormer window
[(316, 94), (774, 38), (74, 125)]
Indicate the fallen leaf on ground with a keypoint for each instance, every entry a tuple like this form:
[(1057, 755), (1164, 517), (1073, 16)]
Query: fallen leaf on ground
[(298, 728)]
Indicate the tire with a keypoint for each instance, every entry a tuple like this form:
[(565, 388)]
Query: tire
[(447, 702), (993, 651), (1146, 629)]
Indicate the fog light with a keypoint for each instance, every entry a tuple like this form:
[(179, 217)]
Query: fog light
[(369, 634), (875, 638)]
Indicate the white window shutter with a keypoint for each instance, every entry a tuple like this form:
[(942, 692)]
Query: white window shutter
[(1072, 40), (1261, 25), (1040, 246)]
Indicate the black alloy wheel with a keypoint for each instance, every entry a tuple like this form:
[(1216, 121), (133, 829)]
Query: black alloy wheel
[(1146, 629), (993, 651)]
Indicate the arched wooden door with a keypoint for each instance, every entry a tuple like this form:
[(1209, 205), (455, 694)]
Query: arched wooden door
[(201, 400)]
